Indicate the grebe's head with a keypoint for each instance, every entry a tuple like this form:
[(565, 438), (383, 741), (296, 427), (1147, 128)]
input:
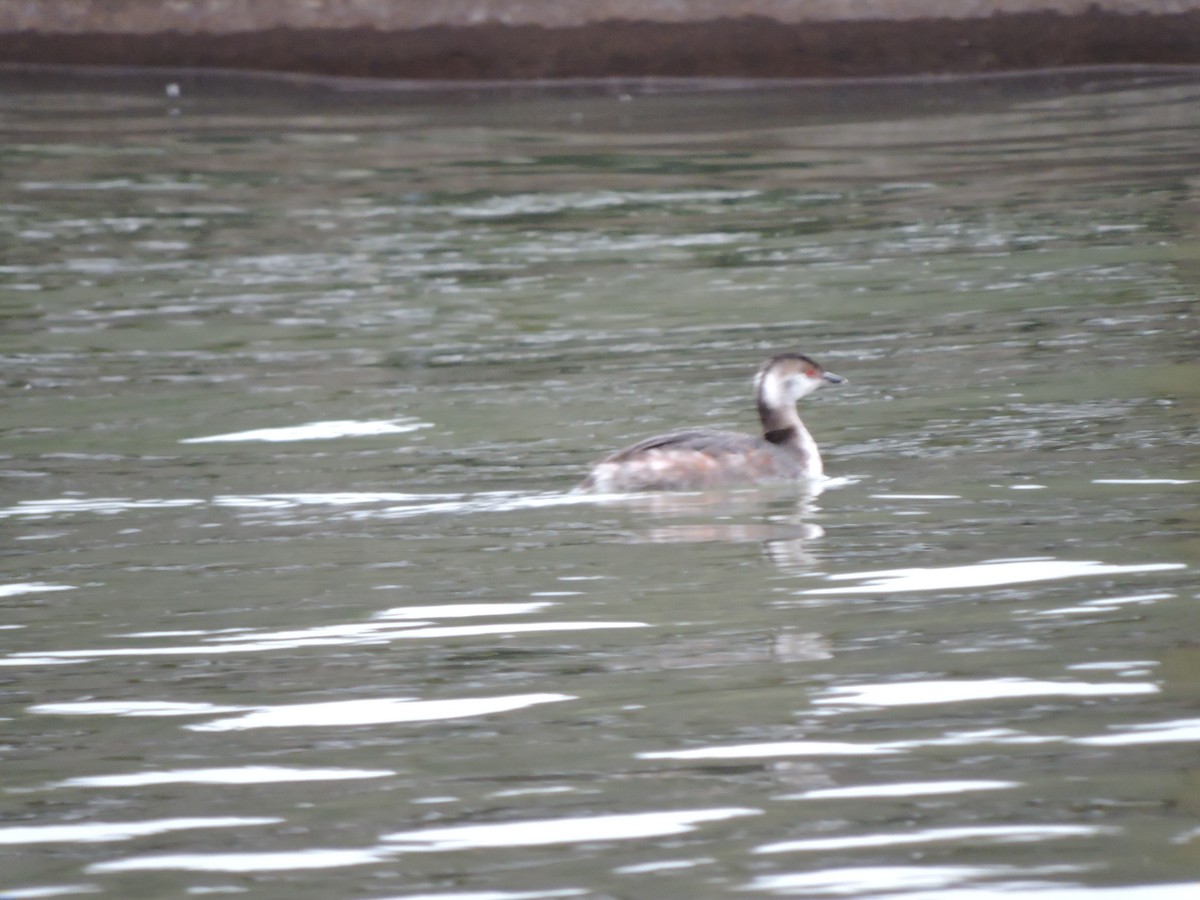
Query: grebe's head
[(784, 379)]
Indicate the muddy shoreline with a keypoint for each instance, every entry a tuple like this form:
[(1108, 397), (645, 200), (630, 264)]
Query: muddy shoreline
[(745, 47)]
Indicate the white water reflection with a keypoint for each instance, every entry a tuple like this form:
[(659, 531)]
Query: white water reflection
[(1050, 891), (665, 865), (568, 830), (914, 693), (1150, 733), (1105, 603), (986, 574), (915, 496), (495, 895), (902, 789), (316, 431), (341, 499), (99, 832), (379, 711), (32, 587), (980, 834), (866, 881), (772, 749), (464, 610), (541, 832), (1150, 481), (955, 883), (222, 775), (233, 863), (102, 505), (352, 505), (54, 890), (1122, 667)]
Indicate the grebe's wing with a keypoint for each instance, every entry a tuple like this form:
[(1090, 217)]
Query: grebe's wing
[(687, 460), (710, 443)]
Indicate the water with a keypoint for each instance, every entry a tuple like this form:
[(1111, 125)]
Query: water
[(297, 380)]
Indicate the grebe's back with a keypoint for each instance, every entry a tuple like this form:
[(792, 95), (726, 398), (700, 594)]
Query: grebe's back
[(697, 459)]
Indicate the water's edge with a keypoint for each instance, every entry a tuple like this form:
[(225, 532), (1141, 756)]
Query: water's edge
[(737, 46)]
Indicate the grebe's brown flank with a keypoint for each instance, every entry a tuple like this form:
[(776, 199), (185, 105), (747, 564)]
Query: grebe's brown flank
[(698, 459)]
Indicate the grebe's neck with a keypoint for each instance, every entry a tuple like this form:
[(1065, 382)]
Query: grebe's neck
[(783, 427), (780, 424)]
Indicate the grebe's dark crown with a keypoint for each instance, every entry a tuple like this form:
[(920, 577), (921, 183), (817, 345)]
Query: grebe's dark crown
[(806, 364), (800, 357)]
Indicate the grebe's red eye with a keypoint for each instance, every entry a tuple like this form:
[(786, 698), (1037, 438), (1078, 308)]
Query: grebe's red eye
[(810, 373)]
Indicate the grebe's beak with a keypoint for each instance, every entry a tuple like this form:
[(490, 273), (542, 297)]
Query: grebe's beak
[(833, 379)]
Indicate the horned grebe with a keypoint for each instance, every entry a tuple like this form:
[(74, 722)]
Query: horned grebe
[(699, 459)]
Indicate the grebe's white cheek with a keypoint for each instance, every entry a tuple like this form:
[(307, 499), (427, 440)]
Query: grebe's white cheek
[(799, 385)]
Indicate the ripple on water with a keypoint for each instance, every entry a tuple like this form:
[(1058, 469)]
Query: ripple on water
[(222, 775), (532, 833), (316, 431), (996, 882), (389, 626), (544, 204), (376, 711), (339, 713), (233, 863), (916, 693), (497, 895), (356, 505), (570, 830), (1164, 732), (990, 573), (984, 834), (902, 789), (32, 587), (99, 832)]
